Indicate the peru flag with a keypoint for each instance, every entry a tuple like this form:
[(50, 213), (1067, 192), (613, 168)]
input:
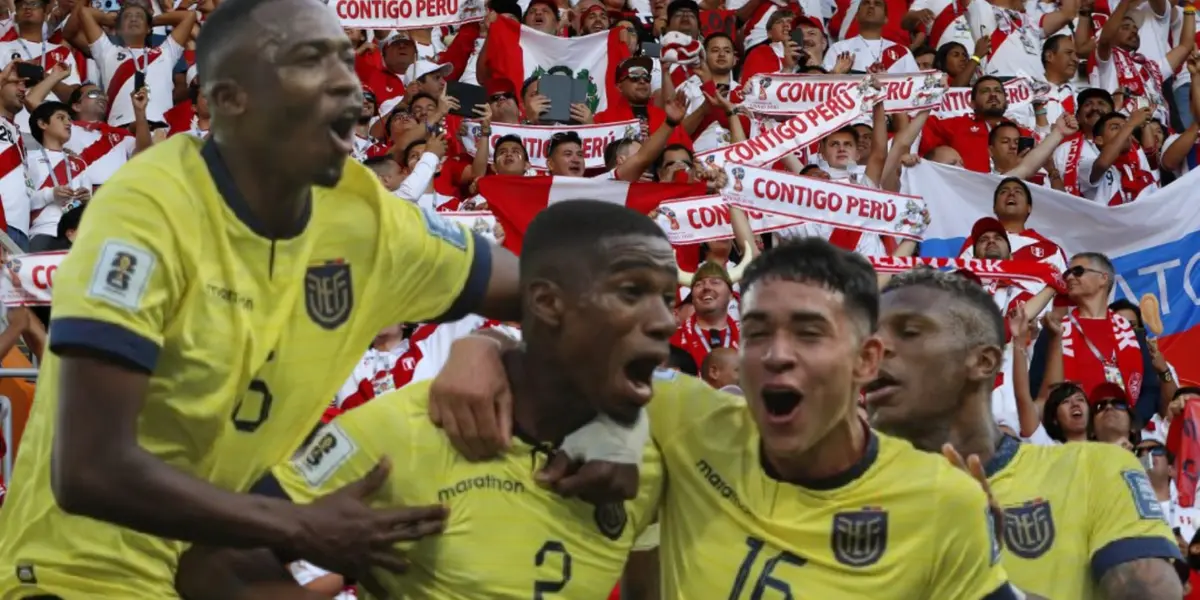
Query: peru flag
[(514, 200), (519, 52)]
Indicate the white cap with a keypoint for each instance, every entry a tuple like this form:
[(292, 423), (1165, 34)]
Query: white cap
[(422, 68)]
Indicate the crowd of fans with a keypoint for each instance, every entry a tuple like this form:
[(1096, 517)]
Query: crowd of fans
[(1114, 116)]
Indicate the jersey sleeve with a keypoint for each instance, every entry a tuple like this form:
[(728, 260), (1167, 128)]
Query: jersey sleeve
[(966, 560), (124, 277), (1125, 519), (347, 448), (431, 268)]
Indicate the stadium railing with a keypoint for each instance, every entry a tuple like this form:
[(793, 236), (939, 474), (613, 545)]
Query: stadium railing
[(6, 417)]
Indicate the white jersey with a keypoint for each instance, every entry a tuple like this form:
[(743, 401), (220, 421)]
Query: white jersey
[(1060, 100), (1016, 40), (50, 168), (118, 68), (47, 55), (102, 147), (949, 23), (1107, 190), (1104, 75), (894, 57), (1189, 161), (16, 188), (372, 376), (435, 347), (714, 136)]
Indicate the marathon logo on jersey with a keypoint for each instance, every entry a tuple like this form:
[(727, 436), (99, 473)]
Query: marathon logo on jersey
[(1029, 528), (121, 274), (444, 229), (330, 450), (1144, 498), (611, 519), (860, 537), (329, 293)]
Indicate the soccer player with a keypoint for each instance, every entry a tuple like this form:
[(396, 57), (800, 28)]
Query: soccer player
[(1081, 520), (217, 297), (789, 490), (594, 276)]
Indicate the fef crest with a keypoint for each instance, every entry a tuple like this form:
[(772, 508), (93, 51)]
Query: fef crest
[(860, 537), (328, 294), (611, 519), (1029, 528)]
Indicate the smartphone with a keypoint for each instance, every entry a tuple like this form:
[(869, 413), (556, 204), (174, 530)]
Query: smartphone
[(1142, 102), (1147, 461), (798, 36), (652, 49), (139, 80), (468, 96), (560, 90), (32, 74), (1024, 143)]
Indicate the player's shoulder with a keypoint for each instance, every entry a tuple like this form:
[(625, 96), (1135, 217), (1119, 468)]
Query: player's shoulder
[(357, 183), (681, 399), (1100, 461), (404, 409), (905, 463), (169, 174)]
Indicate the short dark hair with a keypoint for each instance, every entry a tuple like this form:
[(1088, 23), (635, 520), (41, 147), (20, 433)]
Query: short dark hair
[(1018, 181), (409, 148), (922, 50), (815, 261), (661, 160), (560, 138), (514, 138), (717, 35), (683, 360), (1098, 128), (809, 169), (1126, 304), (418, 96), (44, 112), (992, 135), (1103, 263), (849, 130), (379, 163), (981, 81), (1051, 46), (981, 322), (567, 233), (613, 149), (221, 37), (1059, 392)]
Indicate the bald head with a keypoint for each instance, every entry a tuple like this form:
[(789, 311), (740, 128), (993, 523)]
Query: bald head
[(721, 368)]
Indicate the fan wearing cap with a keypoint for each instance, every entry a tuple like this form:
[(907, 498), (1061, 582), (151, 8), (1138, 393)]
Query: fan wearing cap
[(633, 78), (383, 71), (1090, 105), (1120, 67), (710, 326), (542, 15), (1012, 204), (593, 17), (502, 98), (1113, 419), (756, 17), (779, 53), (59, 176)]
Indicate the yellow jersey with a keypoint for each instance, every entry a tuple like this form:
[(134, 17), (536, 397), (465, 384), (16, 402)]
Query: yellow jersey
[(505, 536), (1072, 512), (245, 339), (901, 524)]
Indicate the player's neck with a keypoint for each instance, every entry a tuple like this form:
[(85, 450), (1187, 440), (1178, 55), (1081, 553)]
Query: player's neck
[(715, 319), (1094, 307), (546, 407), (973, 430), (838, 452), (278, 198)]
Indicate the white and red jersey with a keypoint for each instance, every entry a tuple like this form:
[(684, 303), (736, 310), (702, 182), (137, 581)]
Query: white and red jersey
[(50, 168), (698, 342), (1068, 157), (889, 55), (102, 147), (118, 68), (1016, 40), (867, 244), (433, 347), (1060, 100), (47, 55), (949, 22), (16, 188), (1126, 180), (1008, 295), (372, 376), (1141, 74), (755, 29), (1028, 245)]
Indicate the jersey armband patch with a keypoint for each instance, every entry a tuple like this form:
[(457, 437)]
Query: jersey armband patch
[(328, 451), (121, 274), (1144, 498), (444, 229)]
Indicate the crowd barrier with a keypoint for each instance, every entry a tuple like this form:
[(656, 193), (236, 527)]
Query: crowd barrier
[(13, 413)]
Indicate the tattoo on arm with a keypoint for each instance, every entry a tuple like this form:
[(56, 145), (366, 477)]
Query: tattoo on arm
[(1142, 579)]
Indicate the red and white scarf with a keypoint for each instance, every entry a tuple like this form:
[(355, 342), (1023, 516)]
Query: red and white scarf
[(985, 269), (1134, 71), (1074, 154), (1134, 178), (1128, 354), (696, 340)]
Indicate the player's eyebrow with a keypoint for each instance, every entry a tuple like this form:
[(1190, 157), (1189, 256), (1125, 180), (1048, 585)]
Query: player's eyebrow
[(795, 317)]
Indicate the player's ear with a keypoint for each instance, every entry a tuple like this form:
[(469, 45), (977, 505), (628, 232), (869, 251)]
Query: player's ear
[(545, 301), (983, 362), (870, 355), (225, 98)]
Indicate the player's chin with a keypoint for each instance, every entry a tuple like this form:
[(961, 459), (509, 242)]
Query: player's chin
[(329, 174)]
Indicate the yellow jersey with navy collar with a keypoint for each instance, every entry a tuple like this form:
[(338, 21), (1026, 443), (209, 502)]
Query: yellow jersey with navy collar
[(245, 340), (900, 524), (505, 536), (1072, 512)]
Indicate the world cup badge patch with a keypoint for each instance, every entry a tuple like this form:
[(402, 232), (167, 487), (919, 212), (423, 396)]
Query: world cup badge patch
[(860, 537), (1029, 528), (611, 519), (329, 293)]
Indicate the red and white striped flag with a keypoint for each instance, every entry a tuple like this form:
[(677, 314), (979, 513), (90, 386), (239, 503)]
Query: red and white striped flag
[(519, 52), (514, 200)]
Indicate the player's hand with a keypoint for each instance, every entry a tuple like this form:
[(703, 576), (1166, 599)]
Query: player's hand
[(596, 482), (974, 467), (345, 535), (471, 400), (436, 145)]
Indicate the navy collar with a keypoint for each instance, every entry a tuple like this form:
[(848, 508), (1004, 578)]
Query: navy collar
[(237, 202), (835, 481), (1006, 450)]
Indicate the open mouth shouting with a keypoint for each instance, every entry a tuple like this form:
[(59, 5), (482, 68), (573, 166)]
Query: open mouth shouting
[(781, 403), (341, 129), (639, 376)]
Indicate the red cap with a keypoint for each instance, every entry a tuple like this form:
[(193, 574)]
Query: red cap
[(807, 20), (985, 225), (1108, 391)]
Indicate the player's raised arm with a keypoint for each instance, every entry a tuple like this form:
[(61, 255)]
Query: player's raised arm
[(1131, 543)]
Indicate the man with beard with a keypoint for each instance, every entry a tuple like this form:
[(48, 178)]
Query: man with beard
[(165, 399), (1090, 105), (1119, 68), (968, 134), (792, 475), (593, 17), (1081, 520)]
